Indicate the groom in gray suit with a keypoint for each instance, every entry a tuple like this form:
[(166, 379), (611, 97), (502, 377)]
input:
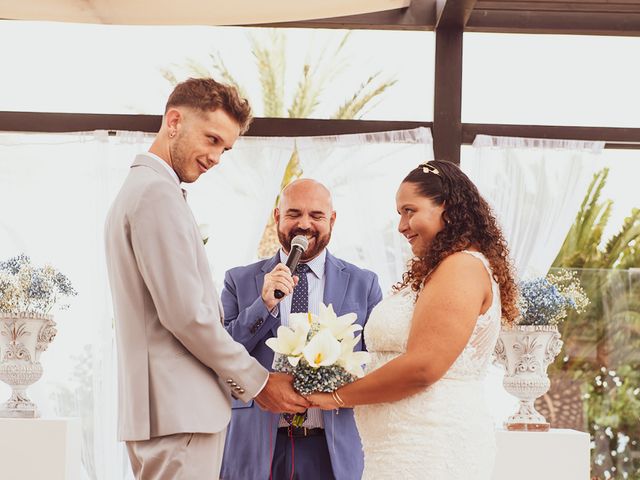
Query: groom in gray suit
[(261, 445), (177, 365)]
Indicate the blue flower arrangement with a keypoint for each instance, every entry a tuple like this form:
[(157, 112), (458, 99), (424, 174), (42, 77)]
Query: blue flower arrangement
[(547, 300), (26, 289)]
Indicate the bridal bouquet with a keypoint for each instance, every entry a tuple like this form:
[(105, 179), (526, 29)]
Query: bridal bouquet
[(318, 352)]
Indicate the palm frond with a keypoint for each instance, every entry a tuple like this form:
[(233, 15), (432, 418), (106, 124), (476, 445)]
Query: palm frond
[(224, 74), (196, 68), (580, 247), (316, 73), (306, 96), (270, 57), (169, 75), (620, 242), (630, 258), (593, 210), (352, 107)]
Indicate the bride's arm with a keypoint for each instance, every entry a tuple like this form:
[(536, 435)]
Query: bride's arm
[(458, 291)]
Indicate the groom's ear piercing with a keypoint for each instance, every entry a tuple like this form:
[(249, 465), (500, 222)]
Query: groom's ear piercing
[(172, 134)]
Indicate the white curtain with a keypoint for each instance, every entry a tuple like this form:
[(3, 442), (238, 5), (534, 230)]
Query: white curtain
[(363, 173), (55, 190), (54, 195), (535, 188), (237, 197)]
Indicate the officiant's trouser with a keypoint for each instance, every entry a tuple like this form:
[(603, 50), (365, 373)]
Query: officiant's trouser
[(307, 455), (182, 456)]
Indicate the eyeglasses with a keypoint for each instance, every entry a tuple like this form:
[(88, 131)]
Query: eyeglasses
[(427, 168)]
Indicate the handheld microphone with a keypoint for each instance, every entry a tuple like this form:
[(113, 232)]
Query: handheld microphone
[(298, 245)]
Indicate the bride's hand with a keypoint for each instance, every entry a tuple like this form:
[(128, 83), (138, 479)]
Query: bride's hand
[(323, 400)]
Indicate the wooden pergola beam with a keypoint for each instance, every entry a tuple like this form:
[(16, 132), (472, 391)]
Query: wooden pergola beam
[(420, 15), (270, 127), (453, 13), (447, 100), (615, 137), (261, 127), (589, 17)]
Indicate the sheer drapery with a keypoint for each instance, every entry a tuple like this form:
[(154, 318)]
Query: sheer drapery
[(363, 173), (54, 195), (55, 191), (237, 197), (535, 188)]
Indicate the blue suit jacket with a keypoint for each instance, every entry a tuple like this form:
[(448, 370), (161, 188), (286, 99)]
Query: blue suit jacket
[(251, 435)]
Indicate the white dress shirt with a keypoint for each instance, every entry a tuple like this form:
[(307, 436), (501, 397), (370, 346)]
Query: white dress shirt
[(316, 295)]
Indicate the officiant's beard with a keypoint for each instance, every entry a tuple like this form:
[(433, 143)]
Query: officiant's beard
[(315, 247)]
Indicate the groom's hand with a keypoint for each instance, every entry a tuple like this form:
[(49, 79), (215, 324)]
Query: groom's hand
[(279, 278), (279, 396)]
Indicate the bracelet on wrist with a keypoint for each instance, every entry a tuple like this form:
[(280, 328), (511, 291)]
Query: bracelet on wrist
[(336, 397)]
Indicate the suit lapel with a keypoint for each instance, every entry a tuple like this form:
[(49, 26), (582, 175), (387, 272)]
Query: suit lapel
[(336, 281)]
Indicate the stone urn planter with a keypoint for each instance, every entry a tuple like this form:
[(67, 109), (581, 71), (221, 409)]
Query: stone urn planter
[(526, 351), (23, 337)]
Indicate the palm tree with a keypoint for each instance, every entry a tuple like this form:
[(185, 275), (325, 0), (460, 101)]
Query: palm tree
[(602, 345), (317, 74), (581, 247), (582, 250)]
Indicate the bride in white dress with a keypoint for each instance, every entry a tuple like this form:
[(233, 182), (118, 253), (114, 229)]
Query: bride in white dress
[(420, 409)]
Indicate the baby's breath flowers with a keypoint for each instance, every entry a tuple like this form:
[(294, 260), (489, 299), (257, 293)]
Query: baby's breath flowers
[(27, 289), (547, 300)]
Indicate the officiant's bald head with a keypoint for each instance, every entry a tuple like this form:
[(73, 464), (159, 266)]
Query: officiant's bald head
[(305, 208), (307, 187)]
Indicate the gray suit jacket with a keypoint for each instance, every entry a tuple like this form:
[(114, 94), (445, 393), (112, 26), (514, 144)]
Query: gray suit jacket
[(176, 362)]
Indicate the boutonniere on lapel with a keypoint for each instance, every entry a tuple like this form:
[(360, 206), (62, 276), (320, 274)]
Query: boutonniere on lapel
[(318, 352), (205, 231)]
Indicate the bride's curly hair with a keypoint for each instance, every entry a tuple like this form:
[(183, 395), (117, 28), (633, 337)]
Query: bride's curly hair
[(469, 222)]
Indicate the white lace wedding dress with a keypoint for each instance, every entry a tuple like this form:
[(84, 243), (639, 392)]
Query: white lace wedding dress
[(444, 432)]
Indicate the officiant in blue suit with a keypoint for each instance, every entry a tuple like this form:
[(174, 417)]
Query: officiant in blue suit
[(261, 445)]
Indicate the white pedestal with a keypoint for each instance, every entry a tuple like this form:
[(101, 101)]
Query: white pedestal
[(39, 448), (553, 455)]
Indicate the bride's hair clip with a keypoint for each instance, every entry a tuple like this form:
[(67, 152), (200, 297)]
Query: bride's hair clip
[(427, 168)]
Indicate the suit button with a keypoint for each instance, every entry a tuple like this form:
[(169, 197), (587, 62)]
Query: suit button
[(229, 381), (241, 391)]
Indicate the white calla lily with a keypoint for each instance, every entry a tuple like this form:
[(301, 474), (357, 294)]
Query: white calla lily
[(340, 327), (290, 342), (301, 319), (322, 350), (352, 361)]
